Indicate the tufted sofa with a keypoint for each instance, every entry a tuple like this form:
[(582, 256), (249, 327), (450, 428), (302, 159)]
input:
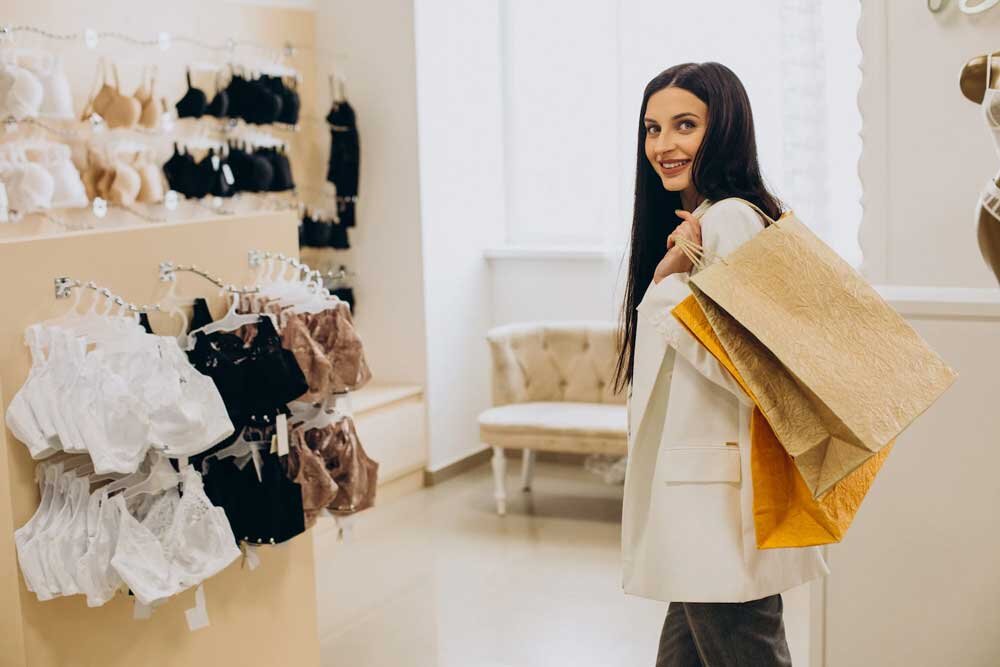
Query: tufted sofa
[(553, 390)]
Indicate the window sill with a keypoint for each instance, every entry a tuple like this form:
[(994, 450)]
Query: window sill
[(591, 253)]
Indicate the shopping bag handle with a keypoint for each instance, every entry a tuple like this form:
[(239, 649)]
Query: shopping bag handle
[(699, 256)]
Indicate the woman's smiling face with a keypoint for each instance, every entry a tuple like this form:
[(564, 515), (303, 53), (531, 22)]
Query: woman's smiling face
[(675, 124)]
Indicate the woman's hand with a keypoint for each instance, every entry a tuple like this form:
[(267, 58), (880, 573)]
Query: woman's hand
[(675, 261)]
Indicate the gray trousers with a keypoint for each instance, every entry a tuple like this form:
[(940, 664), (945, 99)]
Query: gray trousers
[(724, 634)]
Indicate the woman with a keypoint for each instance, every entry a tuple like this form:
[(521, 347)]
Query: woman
[(687, 528)]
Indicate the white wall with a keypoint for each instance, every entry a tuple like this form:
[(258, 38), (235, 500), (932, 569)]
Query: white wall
[(927, 150), (461, 158), (377, 58), (915, 582)]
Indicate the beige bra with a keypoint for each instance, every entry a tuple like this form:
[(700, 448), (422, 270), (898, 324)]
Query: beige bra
[(117, 109)]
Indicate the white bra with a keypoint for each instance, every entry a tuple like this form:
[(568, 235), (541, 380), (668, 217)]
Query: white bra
[(79, 542), (20, 92), (30, 186), (182, 541), (40, 175), (57, 100), (133, 391)]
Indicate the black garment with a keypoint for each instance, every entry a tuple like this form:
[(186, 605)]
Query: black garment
[(212, 178), (181, 172), (316, 232), (264, 511), (282, 180), (256, 381), (192, 105), (219, 105), (345, 211), (289, 112), (345, 151), (252, 172), (724, 633), (201, 315), (144, 322), (345, 294)]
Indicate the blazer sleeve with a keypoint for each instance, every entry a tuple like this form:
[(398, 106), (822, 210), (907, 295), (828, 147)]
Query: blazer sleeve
[(725, 226)]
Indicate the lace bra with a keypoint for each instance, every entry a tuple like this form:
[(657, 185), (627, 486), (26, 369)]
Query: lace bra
[(182, 541)]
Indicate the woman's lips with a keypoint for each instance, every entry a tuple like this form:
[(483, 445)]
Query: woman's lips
[(674, 170)]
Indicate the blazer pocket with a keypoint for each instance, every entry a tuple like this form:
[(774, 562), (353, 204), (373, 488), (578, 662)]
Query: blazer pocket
[(713, 463)]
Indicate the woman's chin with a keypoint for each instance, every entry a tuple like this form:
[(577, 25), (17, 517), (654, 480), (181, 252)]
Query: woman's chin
[(673, 184)]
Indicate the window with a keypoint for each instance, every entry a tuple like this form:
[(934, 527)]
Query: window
[(573, 75)]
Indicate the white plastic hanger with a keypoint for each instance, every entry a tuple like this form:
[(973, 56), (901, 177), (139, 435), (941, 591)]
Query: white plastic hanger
[(161, 477), (230, 322)]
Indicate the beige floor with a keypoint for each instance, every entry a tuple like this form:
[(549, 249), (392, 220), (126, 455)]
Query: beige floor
[(436, 579)]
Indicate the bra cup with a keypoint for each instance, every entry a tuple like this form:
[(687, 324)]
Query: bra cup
[(192, 105), (123, 112), (262, 175), (105, 178), (282, 172), (90, 176), (149, 116), (103, 100), (125, 186), (21, 92), (151, 179), (69, 190), (219, 106), (290, 112), (57, 100), (29, 187)]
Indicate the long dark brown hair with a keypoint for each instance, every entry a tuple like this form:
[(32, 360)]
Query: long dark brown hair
[(725, 166)]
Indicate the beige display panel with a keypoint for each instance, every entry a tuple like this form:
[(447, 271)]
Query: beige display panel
[(262, 617)]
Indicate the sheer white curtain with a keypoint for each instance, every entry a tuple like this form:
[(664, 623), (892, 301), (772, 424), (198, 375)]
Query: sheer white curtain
[(573, 75)]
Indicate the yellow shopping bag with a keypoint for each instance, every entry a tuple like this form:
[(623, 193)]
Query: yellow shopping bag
[(785, 512)]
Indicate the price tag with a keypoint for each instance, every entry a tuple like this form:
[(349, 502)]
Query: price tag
[(90, 38), (227, 173), (197, 616), (282, 434), (4, 206)]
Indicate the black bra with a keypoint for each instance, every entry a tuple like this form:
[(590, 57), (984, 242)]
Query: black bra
[(223, 174), (192, 105)]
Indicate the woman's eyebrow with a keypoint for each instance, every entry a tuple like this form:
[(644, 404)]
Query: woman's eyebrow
[(680, 115)]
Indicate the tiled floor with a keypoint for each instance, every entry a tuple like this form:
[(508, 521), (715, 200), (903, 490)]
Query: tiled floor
[(437, 579)]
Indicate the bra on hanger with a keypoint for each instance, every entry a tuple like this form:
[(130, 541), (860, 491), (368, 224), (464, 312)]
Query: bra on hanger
[(57, 100), (219, 106), (21, 92), (152, 107), (116, 108), (183, 540), (194, 102)]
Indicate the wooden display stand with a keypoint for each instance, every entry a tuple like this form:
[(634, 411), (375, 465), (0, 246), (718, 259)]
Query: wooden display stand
[(262, 617)]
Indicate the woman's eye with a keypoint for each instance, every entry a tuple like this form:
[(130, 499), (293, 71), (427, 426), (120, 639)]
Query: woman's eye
[(685, 122), (652, 129)]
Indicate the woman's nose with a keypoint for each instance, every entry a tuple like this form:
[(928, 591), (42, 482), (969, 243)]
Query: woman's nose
[(664, 143)]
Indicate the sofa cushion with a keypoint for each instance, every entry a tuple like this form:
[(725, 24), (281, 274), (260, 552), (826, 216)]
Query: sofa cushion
[(557, 426)]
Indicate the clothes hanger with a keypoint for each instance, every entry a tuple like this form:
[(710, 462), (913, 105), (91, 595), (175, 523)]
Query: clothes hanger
[(230, 322), (162, 477)]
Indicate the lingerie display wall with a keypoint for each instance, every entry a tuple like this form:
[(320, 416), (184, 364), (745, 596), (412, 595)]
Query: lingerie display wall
[(117, 144), (227, 433)]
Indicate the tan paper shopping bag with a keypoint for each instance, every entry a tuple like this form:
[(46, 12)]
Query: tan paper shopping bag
[(835, 370)]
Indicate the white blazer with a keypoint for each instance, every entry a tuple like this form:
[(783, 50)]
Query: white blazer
[(687, 522)]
